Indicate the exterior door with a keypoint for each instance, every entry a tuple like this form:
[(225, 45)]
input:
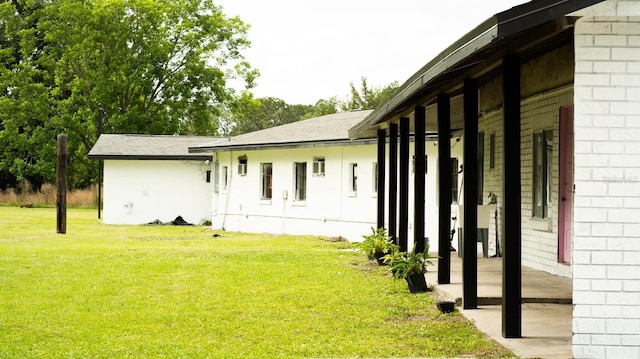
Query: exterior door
[(565, 183)]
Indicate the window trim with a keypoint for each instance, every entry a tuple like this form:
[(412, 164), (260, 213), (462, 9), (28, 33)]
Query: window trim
[(224, 173), (300, 182), (374, 178), (542, 173), (242, 165), (353, 177), (266, 181), (319, 165)]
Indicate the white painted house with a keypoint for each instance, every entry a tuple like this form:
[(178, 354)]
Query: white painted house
[(554, 87), (305, 177), (149, 178)]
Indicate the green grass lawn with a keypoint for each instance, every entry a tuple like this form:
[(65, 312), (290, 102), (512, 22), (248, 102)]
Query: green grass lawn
[(103, 291)]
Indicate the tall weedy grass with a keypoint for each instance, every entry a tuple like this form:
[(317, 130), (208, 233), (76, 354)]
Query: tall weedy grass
[(27, 196)]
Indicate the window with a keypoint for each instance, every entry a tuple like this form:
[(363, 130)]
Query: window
[(301, 181), (266, 170), (454, 180), (216, 178), (318, 166), (225, 177), (413, 164), (375, 177), (242, 165), (492, 151), (353, 177), (208, 176), (542, 172)]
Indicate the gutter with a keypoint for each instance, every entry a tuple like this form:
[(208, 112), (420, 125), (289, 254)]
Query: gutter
[(493, 30), (153, 157), (284, 145)]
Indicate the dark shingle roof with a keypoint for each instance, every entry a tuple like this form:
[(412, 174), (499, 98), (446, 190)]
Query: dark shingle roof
[(314, 131), (148, 147)]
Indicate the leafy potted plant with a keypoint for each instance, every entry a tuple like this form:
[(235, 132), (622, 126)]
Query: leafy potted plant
[(377, 244), (410, 267)]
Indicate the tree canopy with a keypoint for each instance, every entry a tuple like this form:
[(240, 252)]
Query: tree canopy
[(154, 66), (249, 114), (141, 66), (368, 97), (252, 114)]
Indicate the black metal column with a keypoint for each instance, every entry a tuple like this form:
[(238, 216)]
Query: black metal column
[(403, 223), (444, 190), (382, 143), (420, 119), (393, 181), (512, 250), (470, 198)]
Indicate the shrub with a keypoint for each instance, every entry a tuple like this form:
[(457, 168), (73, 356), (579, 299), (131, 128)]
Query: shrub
[(377, 244)]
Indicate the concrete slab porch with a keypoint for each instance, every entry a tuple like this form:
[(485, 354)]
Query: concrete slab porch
[(546, 308)]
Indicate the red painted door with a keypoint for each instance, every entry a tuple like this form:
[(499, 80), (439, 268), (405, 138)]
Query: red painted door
[(565, 190)]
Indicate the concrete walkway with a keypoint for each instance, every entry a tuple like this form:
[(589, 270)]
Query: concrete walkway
[(546, 308)]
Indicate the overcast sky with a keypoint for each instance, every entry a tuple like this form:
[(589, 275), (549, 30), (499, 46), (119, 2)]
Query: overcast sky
[(311, 50)]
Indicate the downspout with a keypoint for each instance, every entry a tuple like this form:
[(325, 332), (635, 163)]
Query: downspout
[(226, 200), (283, 220), (342, 194), (339, 218)]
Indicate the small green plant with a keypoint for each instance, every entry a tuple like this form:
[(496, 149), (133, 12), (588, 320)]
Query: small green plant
[(409, 266), (377, 244)]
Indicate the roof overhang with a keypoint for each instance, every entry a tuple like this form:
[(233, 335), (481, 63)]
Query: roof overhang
[(202, 157), (476, 52), (280, 145)]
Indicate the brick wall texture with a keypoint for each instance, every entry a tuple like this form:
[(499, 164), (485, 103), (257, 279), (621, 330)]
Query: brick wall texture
[(606, 244), (539, 236)]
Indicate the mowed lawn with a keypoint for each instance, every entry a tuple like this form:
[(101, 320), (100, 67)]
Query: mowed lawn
[(103, 291)]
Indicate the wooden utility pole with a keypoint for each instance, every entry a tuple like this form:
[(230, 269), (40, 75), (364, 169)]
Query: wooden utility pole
[(61, 185)]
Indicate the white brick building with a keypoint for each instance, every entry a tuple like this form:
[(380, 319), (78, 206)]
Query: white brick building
[(558, 106), (606, 244)]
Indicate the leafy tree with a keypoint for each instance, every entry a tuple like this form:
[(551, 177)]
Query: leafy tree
[(324, 107), (248, 114), (368, 97), (155, 66), (251, 114), (25, 80)]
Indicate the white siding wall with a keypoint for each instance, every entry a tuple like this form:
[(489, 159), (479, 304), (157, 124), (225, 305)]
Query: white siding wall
[(330, 209), (138, 192), (606, 297)]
